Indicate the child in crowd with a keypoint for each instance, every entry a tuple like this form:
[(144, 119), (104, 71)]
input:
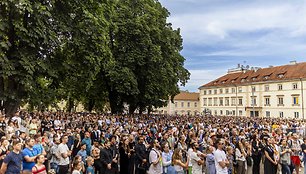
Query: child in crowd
[(90, 169)]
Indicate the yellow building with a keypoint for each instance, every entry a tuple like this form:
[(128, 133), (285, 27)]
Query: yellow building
[(185, 103), (263, 92)]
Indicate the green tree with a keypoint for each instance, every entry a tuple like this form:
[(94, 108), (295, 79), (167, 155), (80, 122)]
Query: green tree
[(146, 66), (26, 39)]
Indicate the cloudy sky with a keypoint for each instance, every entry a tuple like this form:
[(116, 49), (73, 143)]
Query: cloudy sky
[(219, 34)]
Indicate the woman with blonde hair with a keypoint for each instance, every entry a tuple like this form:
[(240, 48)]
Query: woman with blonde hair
[(177, 162)]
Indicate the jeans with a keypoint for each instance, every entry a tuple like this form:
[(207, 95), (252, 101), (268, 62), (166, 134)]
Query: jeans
[(285, 169), (304, 166), (54, 166)]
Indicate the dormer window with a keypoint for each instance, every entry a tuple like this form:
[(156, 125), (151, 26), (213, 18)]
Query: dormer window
[(280, 75), (254, 78), (223, 81), (266, 77), (243, 80)]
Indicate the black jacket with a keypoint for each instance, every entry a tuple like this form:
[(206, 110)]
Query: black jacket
[(106, 158)]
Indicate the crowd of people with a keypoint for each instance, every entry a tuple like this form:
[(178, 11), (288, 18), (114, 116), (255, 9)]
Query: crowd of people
[(91, 143)]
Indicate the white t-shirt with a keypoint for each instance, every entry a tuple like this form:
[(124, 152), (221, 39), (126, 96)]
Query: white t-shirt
[(220, 156), (196, 168), (63, 148), (153, 157)]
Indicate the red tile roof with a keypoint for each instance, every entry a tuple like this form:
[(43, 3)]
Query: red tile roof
[(192, 96), (278, 73)]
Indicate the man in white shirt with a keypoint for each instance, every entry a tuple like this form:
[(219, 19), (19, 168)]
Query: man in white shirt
[(65, 153), (196, 161), (221, 161), (155, 159)]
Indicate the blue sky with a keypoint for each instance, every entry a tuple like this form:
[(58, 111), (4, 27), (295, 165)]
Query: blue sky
[(219, 34)]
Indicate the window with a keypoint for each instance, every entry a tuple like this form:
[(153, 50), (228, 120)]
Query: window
[(221, 112), (266, 87), (204, 92), (253, 101), (175, 104), (215, 101), (266, 77), (233, 112), (296, 114), (280, 101), (221, 91), (226, 90), (281, 114), (205, 101), (240, 89), (243, 80), (267, 113), (209, 101), (195, 104), (216, 112), (240, 101), (294, 86), (182, 104), (188, 104), (227, 112), (227, 101), (280, 87), (267, 101), (253, 88), (233, 101), (280, 75), (295, 100), (220, 101), (209, 91), (240, 112), (215, 91), (233, 90)]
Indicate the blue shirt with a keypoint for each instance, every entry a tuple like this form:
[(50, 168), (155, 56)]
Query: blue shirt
[(83, 154), (29, 153), (14, 162), (90, 170), (87, 141), (39, 148)]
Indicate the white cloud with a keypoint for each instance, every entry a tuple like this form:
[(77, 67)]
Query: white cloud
[(201, 77)]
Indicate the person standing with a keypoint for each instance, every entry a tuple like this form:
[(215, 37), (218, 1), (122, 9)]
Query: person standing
[(270, 164), (285, 161), (141, 156), (221, 161), (65, 153), (12, 163), (115, 155), (196, 161), (124, 151), (88, 143), (55, 156), (155, 159), (106, 158), (29, 156), (39, 167)]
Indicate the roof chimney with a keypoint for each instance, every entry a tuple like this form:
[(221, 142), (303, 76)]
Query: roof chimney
[(292, 62)]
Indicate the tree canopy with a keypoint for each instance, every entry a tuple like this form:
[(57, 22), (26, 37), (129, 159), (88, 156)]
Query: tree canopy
[(93, 52)]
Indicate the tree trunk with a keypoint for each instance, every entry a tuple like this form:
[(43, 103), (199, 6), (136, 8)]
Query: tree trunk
[(91, 104), (70, 105), (115, 103), (11, 107)]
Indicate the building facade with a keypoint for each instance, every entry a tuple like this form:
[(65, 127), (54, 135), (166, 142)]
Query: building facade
[(185, 103), (261, 92)]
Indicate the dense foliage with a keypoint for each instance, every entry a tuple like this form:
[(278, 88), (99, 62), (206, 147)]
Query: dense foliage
[(93, 52)]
